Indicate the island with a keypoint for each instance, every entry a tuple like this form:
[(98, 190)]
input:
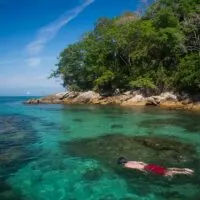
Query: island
[(150, 58)]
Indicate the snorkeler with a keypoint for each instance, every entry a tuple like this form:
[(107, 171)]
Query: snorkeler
[(155, 169)]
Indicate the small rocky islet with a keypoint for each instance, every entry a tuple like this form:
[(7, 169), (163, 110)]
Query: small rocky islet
[(168, 100)]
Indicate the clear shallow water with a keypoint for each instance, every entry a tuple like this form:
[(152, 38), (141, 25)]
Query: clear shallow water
[(36, 163)]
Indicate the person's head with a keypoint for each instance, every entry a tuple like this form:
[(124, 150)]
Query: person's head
[(121, 161)]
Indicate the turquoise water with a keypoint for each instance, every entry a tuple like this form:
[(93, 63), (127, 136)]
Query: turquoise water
[(57, 152)]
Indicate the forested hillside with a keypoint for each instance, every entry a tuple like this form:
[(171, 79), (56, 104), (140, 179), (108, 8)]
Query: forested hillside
[(159, 50)]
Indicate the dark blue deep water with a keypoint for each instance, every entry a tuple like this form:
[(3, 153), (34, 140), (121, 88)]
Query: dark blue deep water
[(57, 152)]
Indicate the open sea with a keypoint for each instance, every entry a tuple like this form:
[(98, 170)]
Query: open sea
[(61, 152)]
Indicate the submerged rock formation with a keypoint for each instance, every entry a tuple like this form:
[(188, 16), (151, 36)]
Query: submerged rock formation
[(15, 131), (148, 149), (130, 98), (7, 193), (160, 150)]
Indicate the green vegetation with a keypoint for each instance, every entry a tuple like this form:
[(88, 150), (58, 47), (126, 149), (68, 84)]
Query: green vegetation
[(158, 51)]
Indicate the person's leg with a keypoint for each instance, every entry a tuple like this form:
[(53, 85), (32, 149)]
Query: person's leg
[(174, 171), (181, 170)]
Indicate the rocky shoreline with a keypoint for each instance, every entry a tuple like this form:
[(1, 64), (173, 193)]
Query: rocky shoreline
[(166, 100)]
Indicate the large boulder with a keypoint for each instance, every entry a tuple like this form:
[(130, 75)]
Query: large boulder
[(156, 100), (71, 95), (62, 95), (168, 96), (135, 100), (86, 97), (152, 101), (50, 98)]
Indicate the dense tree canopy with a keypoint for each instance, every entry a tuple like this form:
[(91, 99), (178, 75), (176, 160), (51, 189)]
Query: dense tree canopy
[(159, 50)]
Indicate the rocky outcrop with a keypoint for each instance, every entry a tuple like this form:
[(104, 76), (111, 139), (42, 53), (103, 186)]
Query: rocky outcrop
[(33, 101), (138, 99), (85, 97), (156, 100), (180, 105), (130, 98)]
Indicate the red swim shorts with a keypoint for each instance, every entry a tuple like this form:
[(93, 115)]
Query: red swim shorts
[(155, 169)]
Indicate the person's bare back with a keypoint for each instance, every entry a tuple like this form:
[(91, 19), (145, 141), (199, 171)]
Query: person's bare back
[(156, 169), (135, 165)]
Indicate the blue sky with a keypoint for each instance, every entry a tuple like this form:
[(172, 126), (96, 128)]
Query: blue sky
[(33, 33)]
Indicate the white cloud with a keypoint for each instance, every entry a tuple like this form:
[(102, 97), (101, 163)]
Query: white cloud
[(32, 62), (47, 33)]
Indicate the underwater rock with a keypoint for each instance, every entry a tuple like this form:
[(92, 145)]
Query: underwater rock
[(112, 117), (106, 149), (15, 130), (164, 144), (11, 138), (172, 195), (16, 134), (195, 196), (11, 154), (116, 126), (77, 120), (6, 192), (144, 148), (9, 195), (66, 131), (4, 186), (108, 197), (93, 174), (189, 123)]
